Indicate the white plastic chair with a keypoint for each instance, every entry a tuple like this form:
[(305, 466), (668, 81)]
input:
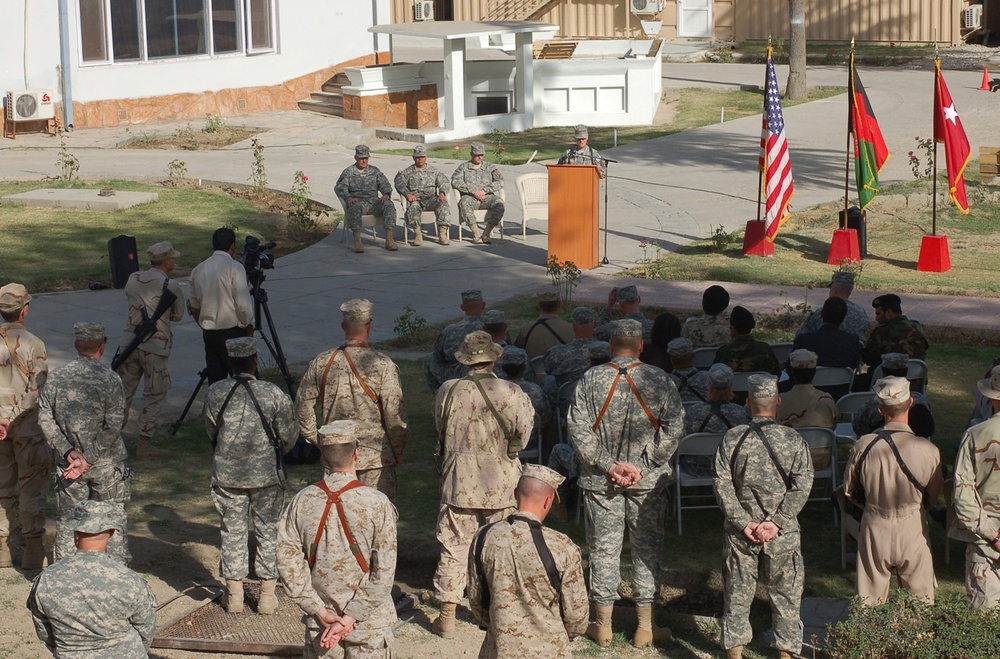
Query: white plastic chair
[(695, 444), (822, 440), (367, 222), (833, 376), (847, 407), (704, 358), (453, 198), (534, 191)]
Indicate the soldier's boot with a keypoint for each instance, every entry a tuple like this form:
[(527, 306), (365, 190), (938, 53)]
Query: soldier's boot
[(358, 247), (735, 653), (444, 626), (476, 238), (785, 654), (34, 553), (390, 241), (443, 235), (146, 451), (486, 233), (6, 560), (648, 631), (233, 602), (599, 631), (418, 239), (268, 602)]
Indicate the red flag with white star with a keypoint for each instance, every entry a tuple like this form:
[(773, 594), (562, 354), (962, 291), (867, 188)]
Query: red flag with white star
[(948, 129)]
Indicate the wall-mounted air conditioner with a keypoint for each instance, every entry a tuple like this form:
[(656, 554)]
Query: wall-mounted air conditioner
[(972, 17), (647, 6), (30, 105), (423, 10)]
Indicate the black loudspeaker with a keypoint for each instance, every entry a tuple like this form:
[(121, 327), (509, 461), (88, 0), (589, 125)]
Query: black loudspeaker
[(124, 259), (857, 220)]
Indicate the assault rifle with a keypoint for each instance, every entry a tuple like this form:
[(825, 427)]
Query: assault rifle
[(146, 327)]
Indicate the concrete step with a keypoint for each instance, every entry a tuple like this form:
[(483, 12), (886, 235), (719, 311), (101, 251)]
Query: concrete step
[(321, 108), (337, 82), (327, 98)]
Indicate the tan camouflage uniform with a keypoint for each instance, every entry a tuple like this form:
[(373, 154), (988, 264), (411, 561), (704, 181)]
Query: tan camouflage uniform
[(424, 184), (805, 405), (707, 331)]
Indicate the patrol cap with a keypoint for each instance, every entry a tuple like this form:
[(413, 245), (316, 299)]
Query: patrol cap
[(478, 348), (244, 346), (344, 431), (626, 327), (160, 252), (892, 390), (547, 296), (742, 320), (494, 317), (895, 361), (477, 149), (472, 295), (96, 517), (990, 386), (845, 277), (628, 294), (548, 476), (13, 297), (888, 301), (802, 358), (85, 331), (362, 151), (580, 132), (583, 316), (513, 358), (600, 351), (760, 385), (420, 151), (680, 347), (358, 309), (720, 376)]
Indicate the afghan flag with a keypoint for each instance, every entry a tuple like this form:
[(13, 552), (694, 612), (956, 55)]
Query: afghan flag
[(948, 129), (870, 151)]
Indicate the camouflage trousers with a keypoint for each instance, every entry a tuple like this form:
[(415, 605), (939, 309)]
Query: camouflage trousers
[(238, 506), (455, 528), (468, 205), (608, 514), (982, 578), (383, 209), (778, 564), (359, 644), (25, 462), (383, 480), (155, 369), (441, 209), (102, 482)]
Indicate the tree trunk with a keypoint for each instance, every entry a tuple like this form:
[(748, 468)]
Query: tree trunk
[(796, 89)]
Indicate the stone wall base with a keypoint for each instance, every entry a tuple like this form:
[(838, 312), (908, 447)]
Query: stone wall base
[(407, 109)]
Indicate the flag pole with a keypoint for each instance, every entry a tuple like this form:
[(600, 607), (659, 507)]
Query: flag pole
[(760, 170), (847, 150), (937, 77)]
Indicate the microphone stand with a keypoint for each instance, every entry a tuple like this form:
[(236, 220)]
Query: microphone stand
[(605, 261)]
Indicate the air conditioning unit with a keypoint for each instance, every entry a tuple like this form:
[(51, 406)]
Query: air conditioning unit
[(423, 10), (647, 6), (30, 105), (972, 17)]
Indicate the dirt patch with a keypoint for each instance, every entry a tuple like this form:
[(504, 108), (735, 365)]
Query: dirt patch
[(191, 139)]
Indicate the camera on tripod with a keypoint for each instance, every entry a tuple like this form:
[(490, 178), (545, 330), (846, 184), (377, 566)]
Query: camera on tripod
[(255, 257)]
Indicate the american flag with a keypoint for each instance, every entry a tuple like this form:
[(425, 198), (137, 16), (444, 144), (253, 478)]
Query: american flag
[(774, 161)]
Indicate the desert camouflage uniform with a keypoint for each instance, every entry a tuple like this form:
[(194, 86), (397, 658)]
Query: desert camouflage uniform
[(336, 582), (977, 510), (440, 364), (748, 354), (805, 405), (368, 186), (245, 479), (707, 331), (700, 418), (898, 335), (856, 322), (543, 334), (151, 358), (90, 605), (82, 407), (625, 434), (527, 616), (868, 419), (480, 468), (692, 383), (469, 178), (25, 459), (385, 428), (749, 488), (424, 184), (603, 330)]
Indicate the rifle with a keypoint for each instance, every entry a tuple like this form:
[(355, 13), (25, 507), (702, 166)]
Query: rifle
[(146, 327)]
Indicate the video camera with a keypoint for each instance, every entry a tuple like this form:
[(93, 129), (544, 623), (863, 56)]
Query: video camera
[(255, 258)]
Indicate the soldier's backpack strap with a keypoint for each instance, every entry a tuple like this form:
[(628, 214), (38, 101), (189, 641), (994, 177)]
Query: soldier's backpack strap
[(333, 499), (684, 385), (326, 372), (624, 370), (543, 323), (13, 355), (716, 406)]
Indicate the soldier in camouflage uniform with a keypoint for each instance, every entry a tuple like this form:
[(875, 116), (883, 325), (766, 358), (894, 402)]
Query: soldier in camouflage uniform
[(82, 411), (479, 183), (857, 320), (251, 425), (25, 460), (565, 364), (745, 353), (151, 359), (338, 564), (495, 324), (977, 501), (712, 329), (718, 414), (513, 368), (628, 302), (869, 419), (625, 423), (358, 383), (581, 153), (894, 332), (692, 383), (763, 475), (483, 422), (90, 605), (540, 335), (511, 589), (365, 190), (425, 189), (440, 364)]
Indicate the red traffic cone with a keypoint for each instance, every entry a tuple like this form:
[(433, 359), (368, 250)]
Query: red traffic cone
[(985, 87)]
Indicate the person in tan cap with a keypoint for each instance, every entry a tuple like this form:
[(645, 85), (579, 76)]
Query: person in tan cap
[(356, 382), (25, 460), (894, 476), (337, 555), (151, 360), (537, 336), (805, 405), (526, 584), (483, 422)]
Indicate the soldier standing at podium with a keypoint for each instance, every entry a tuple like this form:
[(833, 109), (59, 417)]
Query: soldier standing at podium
[(581, 153)]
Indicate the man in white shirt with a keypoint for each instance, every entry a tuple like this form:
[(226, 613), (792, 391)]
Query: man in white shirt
[(220, 302)]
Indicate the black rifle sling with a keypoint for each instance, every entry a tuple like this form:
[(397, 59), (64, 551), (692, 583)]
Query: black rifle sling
[(925, 495), (684, 385), (543, 323), (278, 464), (485, 597)]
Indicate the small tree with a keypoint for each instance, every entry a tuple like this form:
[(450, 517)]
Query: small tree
[(796, 88)]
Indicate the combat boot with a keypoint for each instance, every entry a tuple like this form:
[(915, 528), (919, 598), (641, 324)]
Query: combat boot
[(599, 631), (6, 560), (785, 654), (358, 247), (268, 601), (146, 451), (443, 235), (648, 632), (486, 233), (233, 602), (390, 241), (34, 553), (735, 653), (476, 238), (444, 626), (418, 239)]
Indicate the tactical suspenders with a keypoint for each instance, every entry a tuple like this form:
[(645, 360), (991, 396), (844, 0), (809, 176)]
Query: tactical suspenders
[(684, 385), (333, 499), (716, 406), (623, 370), (543, 323), (887, 436)]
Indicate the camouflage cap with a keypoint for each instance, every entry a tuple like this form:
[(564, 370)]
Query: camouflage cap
[(244, 346), (547, 296), (888, 301), (472, 295), (600, 350), (550, 477), (742, 320), (160, 252), (628, 294), (96, 517), (420, 151), (626, 327), (344, 431), (477, 149), (580, 132), (892, 390), (843, 277), (583, 316), (362, 151), (990, 386), (478, 348), (895, 361), (720, 376), (358, 309), (513, 358), (13, 297), (680, 348), (494, 317), (762, 386), (85, 331), (802, 358)]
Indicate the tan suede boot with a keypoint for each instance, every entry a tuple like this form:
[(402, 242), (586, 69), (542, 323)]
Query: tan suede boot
[(358, 247), (268, 602), (443, 235), (390, 241), (444, 626), (599, 631), (647, 631), (486, 233), (146, 451), (233, 602), (735, 653), (418, 239), (34, 553), (477, 239), (6, 560)]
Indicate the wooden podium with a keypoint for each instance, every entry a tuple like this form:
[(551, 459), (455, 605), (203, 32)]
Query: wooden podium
[(574, 214)]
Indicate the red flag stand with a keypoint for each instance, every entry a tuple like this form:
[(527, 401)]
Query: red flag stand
[(754, 243), (934, 254), (844, 247)]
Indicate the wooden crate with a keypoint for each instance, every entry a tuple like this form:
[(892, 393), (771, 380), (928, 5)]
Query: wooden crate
[(989, 163)]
